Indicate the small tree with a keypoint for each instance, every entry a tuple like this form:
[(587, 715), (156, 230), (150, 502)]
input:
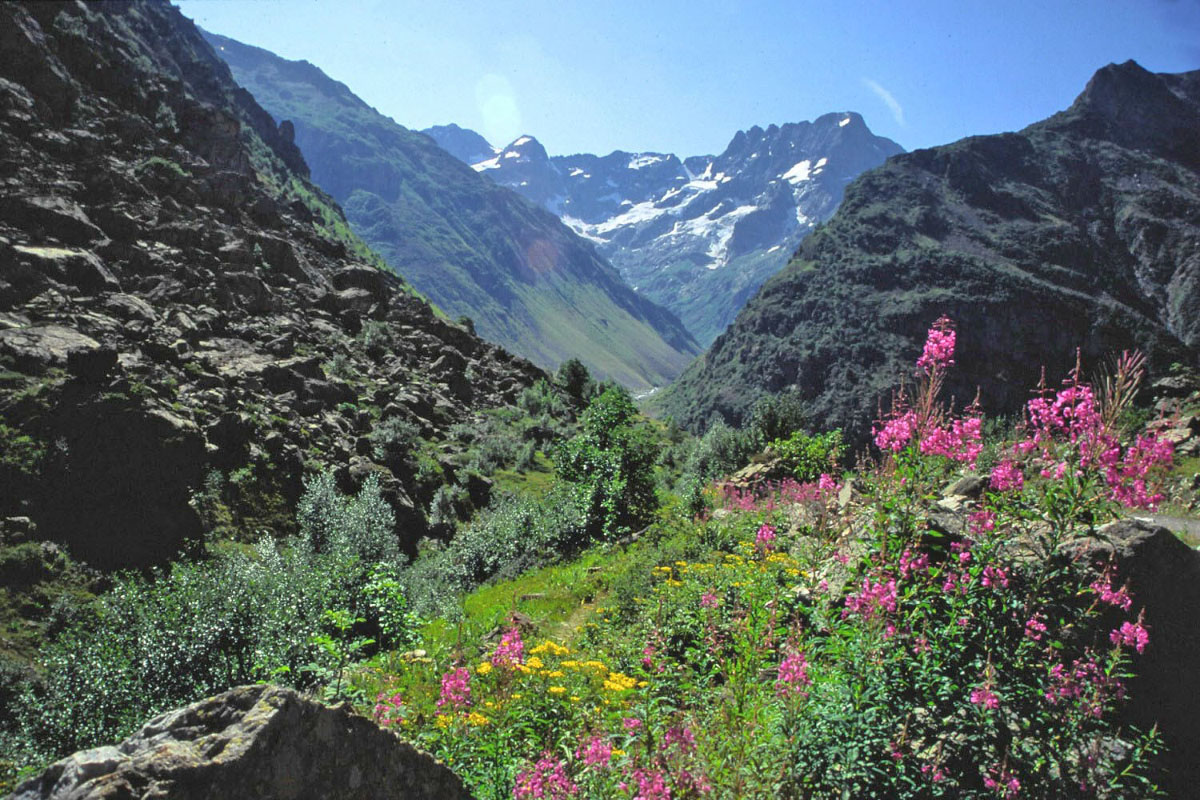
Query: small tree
[(610, 463), (574, 379)]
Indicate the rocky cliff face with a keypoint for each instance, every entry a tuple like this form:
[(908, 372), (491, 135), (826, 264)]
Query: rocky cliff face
[(177, 298), (697, 235), (254, 741), (474, 248), (1080, 231)]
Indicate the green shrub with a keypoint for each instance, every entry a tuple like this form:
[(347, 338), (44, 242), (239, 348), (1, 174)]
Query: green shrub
[(197, 628), (610, 467), (806, 456)]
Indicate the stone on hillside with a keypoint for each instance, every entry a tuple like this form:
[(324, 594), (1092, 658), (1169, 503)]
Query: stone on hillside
[(254, 741), (92, 365), (32, 266), (37, 348), (54, 217), (1163, 575), (969, 486)]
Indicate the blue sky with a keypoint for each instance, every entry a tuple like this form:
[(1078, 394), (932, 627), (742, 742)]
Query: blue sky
[(683, 77)]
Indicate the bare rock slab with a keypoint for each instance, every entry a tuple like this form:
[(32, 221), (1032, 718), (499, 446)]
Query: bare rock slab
[(264, 742)]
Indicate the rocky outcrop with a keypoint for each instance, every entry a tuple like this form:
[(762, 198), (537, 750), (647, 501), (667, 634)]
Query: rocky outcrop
[(1077, 232), (1163, 575), (254, 741), (177, 300)]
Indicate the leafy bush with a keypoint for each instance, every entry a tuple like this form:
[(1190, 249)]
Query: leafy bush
[(198, 628), (393, 440), (610, 465), (807, 456)]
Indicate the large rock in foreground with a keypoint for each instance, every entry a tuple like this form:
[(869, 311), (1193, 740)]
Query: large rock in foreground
[(1163, 575), (254, 741)]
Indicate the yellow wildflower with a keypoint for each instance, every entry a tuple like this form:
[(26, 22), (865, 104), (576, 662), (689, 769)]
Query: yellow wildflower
[(484, 668), (534, 663), (570, 664), (443, 721), (477, 720), (619, 682), (574, 698), (557, 690), (558, 673), (617, 753), (550, 647)]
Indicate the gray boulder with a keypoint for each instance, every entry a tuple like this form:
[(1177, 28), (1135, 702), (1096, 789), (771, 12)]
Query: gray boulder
[(254, 741)]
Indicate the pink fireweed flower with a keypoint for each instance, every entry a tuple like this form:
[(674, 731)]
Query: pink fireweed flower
[(631, 724), (1035, 628), (939, 347), (962, 441), (595, 752), (456, 689), (962, 550), (1085, 682), (708, 600), (982, 521), (1132, 634), (984, 696), (679, 738), (1007, 477), (648, 656), (765, 538), (910, 564), (388, 709), (651, 785), (1127, 478), (1119, 597), (510, 650), (994, 577), (826, 483), (792, 676), (874, 598), (896, 432), (1002, 783), (933, 772), (546, 779)]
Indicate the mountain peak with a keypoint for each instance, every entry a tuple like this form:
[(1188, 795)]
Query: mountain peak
[(1129, 105)]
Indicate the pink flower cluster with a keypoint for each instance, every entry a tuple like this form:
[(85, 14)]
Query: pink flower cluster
[(1126, 475), (1072, 415), (708, 600), (510, 651), (994, 577), (875, 597), (961, 441), (765, 538), (896, 432), (984, 696), (1119, 597), (1007, 477), (913, 565), (651, 785), (456, 689), (1131, 634), (1086, 682), (545, 779), (1002, 782), (595, 752), (680, 739), (1035, 628), (939, 347), (388, 709), (792, 676)]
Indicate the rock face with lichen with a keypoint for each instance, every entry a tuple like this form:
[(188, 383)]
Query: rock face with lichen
[(254, 741)]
